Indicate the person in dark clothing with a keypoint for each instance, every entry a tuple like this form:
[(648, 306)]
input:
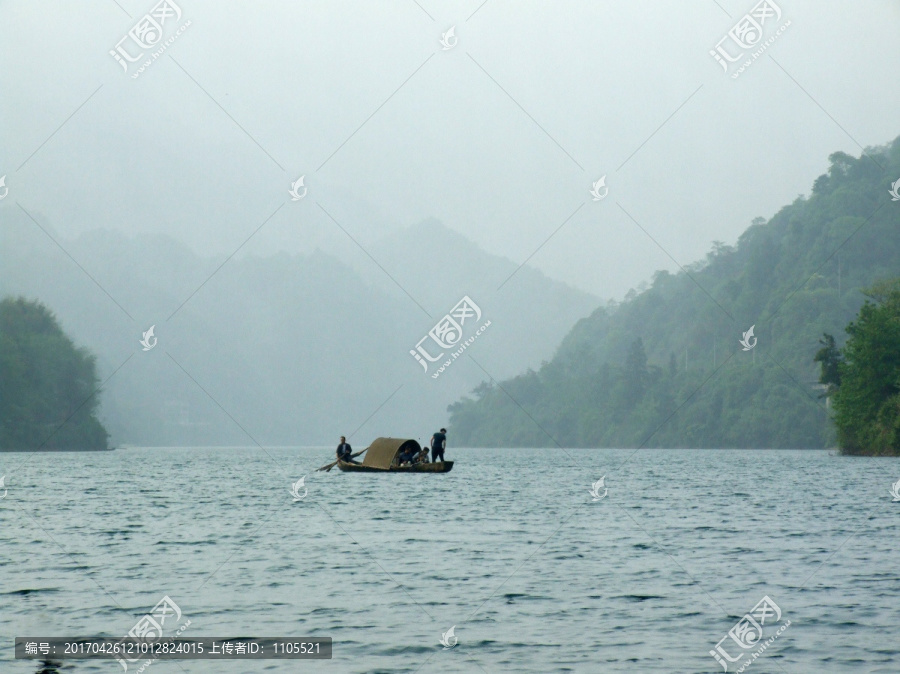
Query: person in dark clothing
[(344, 451), (438, 445)]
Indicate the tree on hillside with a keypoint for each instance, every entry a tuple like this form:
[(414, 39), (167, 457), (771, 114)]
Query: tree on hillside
[(636, 374), (47, 385), (829, 357), (867, 404)]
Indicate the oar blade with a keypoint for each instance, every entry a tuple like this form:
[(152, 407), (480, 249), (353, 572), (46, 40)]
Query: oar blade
[(327, 467)]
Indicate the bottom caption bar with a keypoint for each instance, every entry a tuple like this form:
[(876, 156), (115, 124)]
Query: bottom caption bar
[(132, 649)]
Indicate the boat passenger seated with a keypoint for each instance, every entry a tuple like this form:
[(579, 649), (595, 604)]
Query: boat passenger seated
[(344, 452), (406, 456)]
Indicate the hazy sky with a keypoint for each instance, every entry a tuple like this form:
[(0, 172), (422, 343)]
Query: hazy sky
[(500, 137)]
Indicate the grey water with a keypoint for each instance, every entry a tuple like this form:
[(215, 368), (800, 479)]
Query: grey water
[(510, 549)]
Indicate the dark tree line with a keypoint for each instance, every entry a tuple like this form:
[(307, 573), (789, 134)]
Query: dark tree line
[(864, 376), (47, 386)]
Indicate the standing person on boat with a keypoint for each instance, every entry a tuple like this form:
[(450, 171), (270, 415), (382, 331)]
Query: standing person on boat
[(344, 451), (438, 445)]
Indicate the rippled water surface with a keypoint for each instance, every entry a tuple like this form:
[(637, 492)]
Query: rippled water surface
[(509, 548)]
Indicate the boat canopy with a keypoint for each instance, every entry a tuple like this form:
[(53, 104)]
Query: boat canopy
[(382, 452)]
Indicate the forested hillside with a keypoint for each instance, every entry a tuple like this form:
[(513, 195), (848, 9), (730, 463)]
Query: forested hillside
[(47, 385), (665, 368), (864, 377)]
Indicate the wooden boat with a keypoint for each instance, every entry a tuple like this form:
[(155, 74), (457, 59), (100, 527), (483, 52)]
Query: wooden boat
[(439, 467), (383, 454)]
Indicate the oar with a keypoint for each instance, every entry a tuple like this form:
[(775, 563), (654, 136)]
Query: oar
[(328, 466)]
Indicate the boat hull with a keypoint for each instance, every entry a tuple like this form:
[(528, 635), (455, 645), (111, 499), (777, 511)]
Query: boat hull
[(439, 467)]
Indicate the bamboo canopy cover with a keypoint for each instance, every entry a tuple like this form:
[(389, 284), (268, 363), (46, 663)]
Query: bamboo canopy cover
[(382, 452)]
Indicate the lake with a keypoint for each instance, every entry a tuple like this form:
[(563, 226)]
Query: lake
[(511, 549)]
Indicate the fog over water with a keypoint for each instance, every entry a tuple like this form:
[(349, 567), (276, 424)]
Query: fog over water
[(430, 172), (278, 223)]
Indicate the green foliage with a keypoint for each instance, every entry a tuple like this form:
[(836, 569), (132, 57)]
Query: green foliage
[(867, 405), (664, 367), (47, 385), (829, 358)]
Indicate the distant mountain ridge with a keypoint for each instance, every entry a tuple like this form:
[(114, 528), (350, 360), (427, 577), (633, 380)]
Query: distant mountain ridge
[(281, 349), (665, 367)]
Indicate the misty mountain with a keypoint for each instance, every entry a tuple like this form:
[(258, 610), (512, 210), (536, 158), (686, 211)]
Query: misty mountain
[(667, 367), (279, 349)]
